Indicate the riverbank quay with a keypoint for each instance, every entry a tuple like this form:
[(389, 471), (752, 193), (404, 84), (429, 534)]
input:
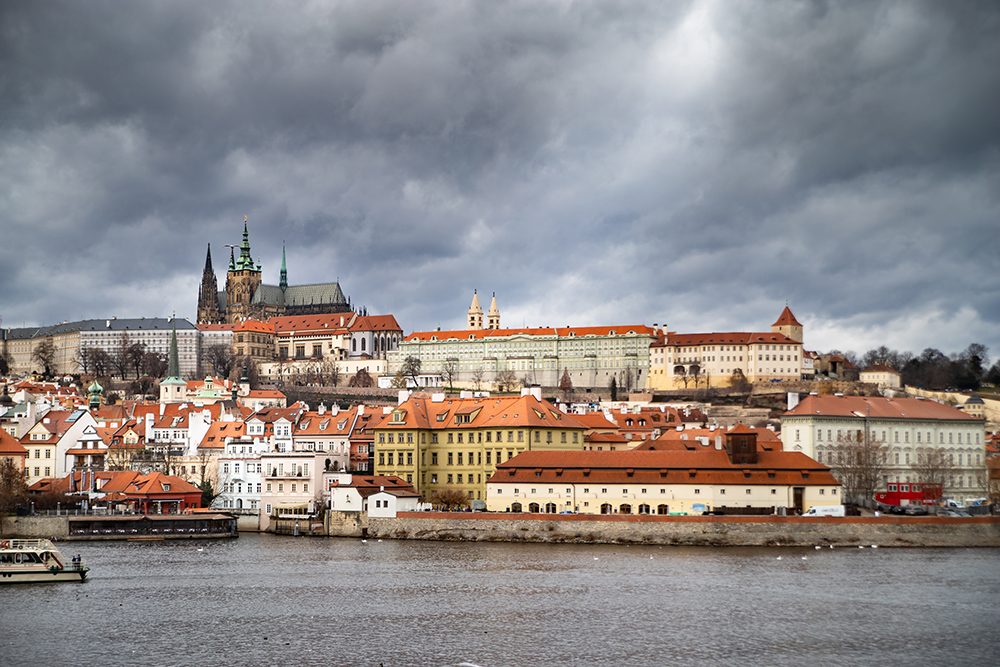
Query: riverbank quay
[(736, 531), (120, 527)]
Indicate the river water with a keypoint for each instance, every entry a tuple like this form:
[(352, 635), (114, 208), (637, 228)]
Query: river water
[(269, 600)]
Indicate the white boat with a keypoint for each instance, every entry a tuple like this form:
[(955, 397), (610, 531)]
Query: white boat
[(37, 561)]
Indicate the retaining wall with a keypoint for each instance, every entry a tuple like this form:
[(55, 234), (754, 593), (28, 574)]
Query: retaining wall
[(696, 531)]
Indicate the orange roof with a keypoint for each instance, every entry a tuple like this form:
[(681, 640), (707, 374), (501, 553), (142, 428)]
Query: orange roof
[(566, 332), (376, 323), (595, 420), (9, 445), (330, 323), (876, 408), (264, 393), (219, 431), (705, 466), (731, 338), (507, 411), (786, 318), (367, 485), (254, 325)]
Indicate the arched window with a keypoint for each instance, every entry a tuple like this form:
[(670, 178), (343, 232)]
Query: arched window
[(516, 507), (550, 508), (662, 509), (362, 344), (354, 345), (606, 508), (624, 509), (533, 508), (643, 509)]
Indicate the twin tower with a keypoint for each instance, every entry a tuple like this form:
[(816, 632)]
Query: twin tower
[(475, 320)]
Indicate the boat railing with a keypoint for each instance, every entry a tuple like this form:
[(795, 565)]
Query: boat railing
[(27, 544)]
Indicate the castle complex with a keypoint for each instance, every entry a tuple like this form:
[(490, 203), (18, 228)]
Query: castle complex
[(246, 296)]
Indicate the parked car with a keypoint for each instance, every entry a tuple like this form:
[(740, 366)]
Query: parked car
[(897, 509), (915, 510)]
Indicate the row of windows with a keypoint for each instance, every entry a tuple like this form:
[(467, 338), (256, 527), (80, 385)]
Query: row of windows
[(281, 488), (38, 453), (475, 436), (663, 490), (923, 437), (454, 458)]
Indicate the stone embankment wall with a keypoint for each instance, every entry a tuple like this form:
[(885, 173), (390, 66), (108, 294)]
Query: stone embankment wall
[(34, 526), (889, 531), (693, 531)]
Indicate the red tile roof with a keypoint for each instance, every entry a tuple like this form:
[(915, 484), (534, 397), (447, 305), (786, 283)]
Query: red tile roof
[(467, 334), (705, 466), (786, 318)]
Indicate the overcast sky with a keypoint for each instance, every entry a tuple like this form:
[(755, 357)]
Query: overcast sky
[(697, 165)]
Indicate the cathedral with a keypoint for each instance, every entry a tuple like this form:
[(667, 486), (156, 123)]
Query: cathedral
[(246, 296)]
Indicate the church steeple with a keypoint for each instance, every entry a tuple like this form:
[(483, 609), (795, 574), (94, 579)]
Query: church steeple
[(475, 317), (173, 388), (493, 317), (245, 261), (283, 282), (208, 294)]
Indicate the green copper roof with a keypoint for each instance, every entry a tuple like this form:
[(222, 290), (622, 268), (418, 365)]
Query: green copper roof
[(173, 361)]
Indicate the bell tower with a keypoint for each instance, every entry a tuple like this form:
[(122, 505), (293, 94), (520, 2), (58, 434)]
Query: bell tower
[(475, 317), (242, 281)]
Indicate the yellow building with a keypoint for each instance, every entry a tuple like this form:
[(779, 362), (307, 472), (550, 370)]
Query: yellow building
[(440, 443), (682, 361)]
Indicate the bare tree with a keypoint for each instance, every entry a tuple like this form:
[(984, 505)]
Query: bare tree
[(101, 362), (120, 360), (411, 369), (506, 379), (860, 463), (6, 360), (399, 380), (450, 498), (136, 354), (45, 354), (330, 370), (933, 466), (695, 372), (218, 359), (449, 371), (154, 364), (477, 377), (13, 490), (681, 372)]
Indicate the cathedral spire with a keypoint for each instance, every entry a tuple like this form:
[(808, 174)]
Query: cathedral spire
[(283, 284), (208, 260)]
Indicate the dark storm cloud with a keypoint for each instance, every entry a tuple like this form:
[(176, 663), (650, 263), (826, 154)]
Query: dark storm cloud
[(694, 164)]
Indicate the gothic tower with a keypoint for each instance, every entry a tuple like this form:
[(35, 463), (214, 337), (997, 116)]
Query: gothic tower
[(208, 295), (475, 316), (242, 281)]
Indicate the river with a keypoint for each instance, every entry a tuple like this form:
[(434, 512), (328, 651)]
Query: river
[(268, 600)]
